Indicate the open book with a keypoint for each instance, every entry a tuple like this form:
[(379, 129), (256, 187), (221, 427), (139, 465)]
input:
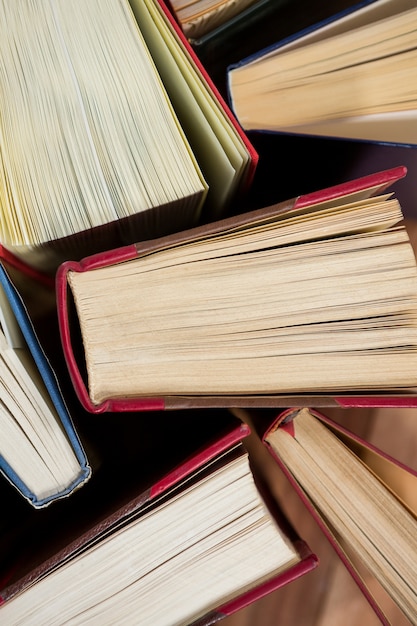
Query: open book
[(234, 313), (111, 130), (196, 545), (351, 76), (40, 452), (362, 499)]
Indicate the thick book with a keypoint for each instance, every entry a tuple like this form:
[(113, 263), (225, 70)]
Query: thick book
[(338, 78), (234, 312), (195, 546), (362, 499), (40, 451), (100, 160)]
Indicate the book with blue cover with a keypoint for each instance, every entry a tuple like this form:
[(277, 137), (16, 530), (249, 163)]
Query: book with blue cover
[(40, 452), (348, 76), (350, 144)]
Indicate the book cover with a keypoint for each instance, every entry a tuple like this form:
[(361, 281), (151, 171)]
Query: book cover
[(342, 156), (236, 225), (34, 387)]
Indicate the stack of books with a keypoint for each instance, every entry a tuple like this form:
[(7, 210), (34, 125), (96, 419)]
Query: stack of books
[(163, 341)]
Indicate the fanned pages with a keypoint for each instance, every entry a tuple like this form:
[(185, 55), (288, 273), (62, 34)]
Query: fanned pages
[(356, 506), (40, 452), (350, 78), (90, 138), (243, 309), (196, 546)]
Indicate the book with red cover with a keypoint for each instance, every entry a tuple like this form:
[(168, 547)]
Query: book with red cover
[(225, 447), (353, 190), (399, 479)]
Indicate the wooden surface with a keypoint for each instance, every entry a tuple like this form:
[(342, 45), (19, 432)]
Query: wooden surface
[(328, 596)]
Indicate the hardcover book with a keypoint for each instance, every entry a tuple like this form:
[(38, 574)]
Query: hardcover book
[(297, 85), (91, 159), (362, 499), (344, 154), (232, 313), (40, 452), (193, 547)]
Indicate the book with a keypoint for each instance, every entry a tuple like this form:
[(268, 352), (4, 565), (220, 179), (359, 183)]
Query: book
[(231, 313), (101, 161), (297, 85), (40, 452), (362, 499), (204, 527), (199, 18)]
